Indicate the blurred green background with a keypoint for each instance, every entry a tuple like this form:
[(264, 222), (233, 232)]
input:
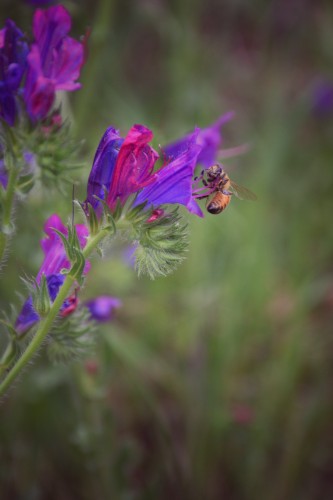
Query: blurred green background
[(215, 382)]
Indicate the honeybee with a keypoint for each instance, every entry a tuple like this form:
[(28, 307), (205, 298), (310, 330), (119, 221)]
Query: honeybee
[(222, 188)]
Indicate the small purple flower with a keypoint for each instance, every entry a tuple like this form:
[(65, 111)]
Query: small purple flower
[(209, 138), (54, 61), (322, 98), (103, 167), (55, 259), (102, 308), (13, 63)]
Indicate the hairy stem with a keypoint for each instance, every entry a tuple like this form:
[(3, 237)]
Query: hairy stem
[(47, 322), (7, 209)]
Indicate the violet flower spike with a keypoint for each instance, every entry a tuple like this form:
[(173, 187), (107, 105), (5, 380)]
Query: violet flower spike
[(55, 259), (54, 61), (13, 63), (209, 138)]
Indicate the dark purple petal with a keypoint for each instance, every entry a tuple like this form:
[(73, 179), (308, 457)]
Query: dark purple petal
[(13, 63), (173, 183), (66, 67), (134, 165), (209, 138), (50, 26), (103, 167), (54, 282), (8, 106), (27, 317), (101, 308), (40, 3), (3, 174)]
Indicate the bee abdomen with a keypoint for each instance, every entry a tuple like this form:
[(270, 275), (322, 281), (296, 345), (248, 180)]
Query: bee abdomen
[(218, 203)]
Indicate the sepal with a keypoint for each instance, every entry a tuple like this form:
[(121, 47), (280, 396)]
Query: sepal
[(56, 153), (72, 337), (74, 253), (161, 244), (41, 298)]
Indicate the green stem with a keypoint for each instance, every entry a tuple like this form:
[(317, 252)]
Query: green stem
[(7, 208), (46, 323)]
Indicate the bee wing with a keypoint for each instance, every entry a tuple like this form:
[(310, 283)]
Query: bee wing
[(241, 192)]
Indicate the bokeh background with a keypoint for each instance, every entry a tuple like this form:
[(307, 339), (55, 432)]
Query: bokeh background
[(216, 382)]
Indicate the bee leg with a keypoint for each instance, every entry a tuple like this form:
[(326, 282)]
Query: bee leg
[(228, 193), (201, 197)]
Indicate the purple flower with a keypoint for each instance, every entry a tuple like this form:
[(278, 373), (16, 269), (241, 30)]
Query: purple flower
[(173, 183), (101, 308), (55, 259), (13, 62), (54, 61), (103, 167), (322, 98), (209, 138), (123, 167)]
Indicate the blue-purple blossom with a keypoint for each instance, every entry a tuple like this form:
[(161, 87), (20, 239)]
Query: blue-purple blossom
[(55, 259), (173, 183), (13, 63), (102, 308), (123, 167), (209, 138), (103, 166), (54, 61)]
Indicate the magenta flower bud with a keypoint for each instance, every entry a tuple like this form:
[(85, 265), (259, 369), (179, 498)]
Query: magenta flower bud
[(134, 166)]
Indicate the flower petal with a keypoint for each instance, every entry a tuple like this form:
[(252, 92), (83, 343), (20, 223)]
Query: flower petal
[(134, 165), (103, 167), (173, 183), (209, 139)]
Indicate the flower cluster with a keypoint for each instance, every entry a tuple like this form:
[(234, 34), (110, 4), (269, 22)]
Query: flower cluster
[(123, 167), (30, 75), (52, 268), (132, 190), (126, 166)]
